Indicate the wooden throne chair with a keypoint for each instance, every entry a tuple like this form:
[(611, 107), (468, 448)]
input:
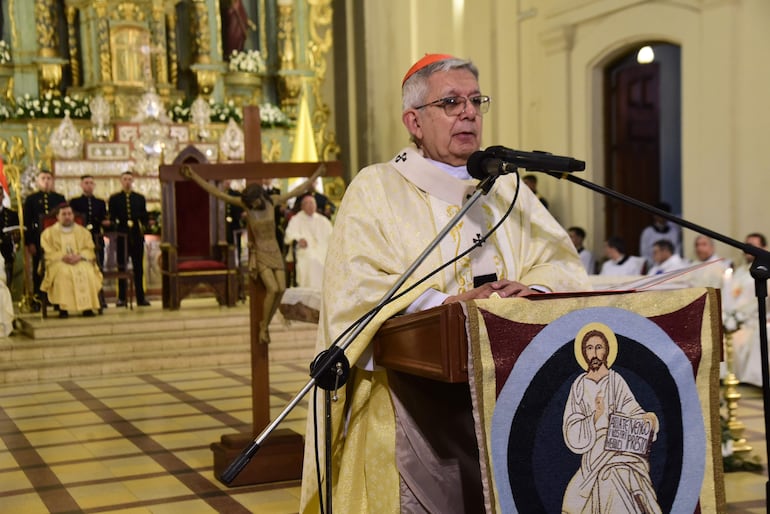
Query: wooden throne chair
[(194, 252)]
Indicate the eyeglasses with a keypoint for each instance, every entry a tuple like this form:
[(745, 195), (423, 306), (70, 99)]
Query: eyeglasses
[(455, 105)]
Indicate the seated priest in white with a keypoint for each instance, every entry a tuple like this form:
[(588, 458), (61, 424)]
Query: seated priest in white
[(618, 262), (72, 278), (665, 259), (311, 232)]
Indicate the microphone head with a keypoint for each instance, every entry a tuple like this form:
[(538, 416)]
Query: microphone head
[(482, 164)]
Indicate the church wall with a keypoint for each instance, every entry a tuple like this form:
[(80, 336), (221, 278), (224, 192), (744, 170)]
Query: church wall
[(748, 179), (541, 62)]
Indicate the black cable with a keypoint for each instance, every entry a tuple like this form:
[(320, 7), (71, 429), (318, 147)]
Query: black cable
[(317, 457), (477, 244)]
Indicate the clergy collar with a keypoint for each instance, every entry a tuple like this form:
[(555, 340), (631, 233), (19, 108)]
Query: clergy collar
[(435, 178), (460, 172)]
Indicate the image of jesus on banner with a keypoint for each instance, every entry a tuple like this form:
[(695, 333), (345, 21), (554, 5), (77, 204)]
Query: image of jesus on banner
[(613, 434)]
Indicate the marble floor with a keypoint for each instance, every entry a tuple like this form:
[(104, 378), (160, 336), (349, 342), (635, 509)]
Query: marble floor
[(140, 443)]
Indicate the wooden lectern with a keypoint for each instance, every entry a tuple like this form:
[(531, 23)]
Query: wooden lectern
[(442, 352)]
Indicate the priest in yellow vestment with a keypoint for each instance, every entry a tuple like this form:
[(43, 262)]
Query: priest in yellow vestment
[(72, 278), (388, 216)]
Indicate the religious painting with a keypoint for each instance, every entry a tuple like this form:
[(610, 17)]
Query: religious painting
[(600, 403)]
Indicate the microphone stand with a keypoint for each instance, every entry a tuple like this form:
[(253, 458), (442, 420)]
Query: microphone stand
[(330, 368), (760, 271)]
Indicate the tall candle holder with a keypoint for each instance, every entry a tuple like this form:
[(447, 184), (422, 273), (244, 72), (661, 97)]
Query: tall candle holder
[(732, 395)]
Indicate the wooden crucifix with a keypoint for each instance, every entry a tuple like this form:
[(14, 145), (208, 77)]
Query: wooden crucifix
[(280, 458)]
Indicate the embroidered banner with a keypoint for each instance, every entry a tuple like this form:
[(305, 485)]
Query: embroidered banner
[(600, 403)]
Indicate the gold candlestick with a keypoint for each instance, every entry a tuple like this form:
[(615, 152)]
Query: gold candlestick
[(732, 395)]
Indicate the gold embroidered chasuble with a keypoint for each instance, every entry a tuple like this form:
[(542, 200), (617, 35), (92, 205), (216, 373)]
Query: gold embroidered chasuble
[(72, 287), (389, 215)]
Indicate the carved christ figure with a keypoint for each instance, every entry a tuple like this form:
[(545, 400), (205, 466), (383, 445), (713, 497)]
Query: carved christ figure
[(265, 257)]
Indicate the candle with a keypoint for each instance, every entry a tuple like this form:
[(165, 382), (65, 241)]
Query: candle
[(727, 290)]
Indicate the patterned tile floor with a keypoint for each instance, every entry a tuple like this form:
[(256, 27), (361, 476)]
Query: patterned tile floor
[(140, 444), (136, 444)]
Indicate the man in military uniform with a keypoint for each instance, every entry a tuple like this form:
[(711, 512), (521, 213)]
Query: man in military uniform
[(36, 206), (128, 214), (94, 213), (8, 236)]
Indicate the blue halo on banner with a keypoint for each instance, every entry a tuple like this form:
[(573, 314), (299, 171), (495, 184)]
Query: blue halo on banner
[(558, 336)]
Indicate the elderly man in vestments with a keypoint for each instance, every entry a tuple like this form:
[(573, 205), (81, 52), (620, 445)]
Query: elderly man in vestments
[(388, 216), (608, 480), (72, 278), (310, 231)]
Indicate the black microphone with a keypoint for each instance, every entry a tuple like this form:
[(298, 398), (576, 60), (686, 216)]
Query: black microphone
[(482, 164), (536, 161)]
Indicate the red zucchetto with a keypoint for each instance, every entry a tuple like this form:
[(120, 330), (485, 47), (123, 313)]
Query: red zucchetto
[(427, 60)]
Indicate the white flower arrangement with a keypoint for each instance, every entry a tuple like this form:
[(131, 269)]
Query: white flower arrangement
[(249, 61), (270, 115), (5, 112), (52, 106), (5, 52)]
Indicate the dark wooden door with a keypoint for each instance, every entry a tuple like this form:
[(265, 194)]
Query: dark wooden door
[(633, 149)]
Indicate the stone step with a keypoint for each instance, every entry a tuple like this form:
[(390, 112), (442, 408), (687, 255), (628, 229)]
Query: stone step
[(146, 340)]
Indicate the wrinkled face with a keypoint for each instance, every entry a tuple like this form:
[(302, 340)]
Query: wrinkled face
[(704, 248), (65, 216), (126, 182), (595, 351), (88, 185), (448, 139), (308, 205), (45, 182)]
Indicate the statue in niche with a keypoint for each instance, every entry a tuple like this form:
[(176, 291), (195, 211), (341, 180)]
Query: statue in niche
[(235, 26)]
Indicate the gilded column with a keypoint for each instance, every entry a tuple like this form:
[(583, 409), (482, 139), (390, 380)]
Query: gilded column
[(173, 62), (205, 72), (318, 48), (45, 24), (289, 80), (48, 61), (159, 42), (71, 14), (103, 41), (202, 33), (286, 35)]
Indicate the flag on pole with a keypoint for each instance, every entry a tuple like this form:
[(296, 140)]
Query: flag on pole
[(4, 183)]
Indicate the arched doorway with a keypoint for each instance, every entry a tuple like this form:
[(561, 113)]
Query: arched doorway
[(642, 116)]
